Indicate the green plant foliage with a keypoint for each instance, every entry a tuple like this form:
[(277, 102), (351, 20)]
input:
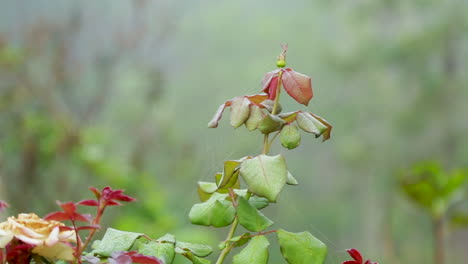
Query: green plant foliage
[(290, 137), (258, 202), (432, 188), (256, 252), (270, 123), (206, 189), (301, 248), (115, 240), (256, 115), (216, 211), (265, 175), (161, 250), (194, 259), (291, 180), (197, 249), (310, 124), (239, 111), (250, 217)]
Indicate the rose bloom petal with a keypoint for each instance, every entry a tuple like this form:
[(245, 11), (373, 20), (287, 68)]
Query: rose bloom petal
[(58, 251), (53, 237), (26, 231), (68, 236), (5, 238), (29, 240)]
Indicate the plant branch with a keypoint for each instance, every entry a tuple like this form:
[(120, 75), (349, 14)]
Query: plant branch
[(439, 239), (266, 149)]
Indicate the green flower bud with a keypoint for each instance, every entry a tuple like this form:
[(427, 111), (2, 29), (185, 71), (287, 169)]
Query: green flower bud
[(281, 63), (290, 136)]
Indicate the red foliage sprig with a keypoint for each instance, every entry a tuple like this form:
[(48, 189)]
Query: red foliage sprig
[(105, 197), (356, 255)]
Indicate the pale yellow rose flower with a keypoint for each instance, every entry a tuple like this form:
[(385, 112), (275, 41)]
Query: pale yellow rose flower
[(45, 235)]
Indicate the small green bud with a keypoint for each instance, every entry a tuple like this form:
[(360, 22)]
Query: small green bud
[(290, 137), (281, 63)]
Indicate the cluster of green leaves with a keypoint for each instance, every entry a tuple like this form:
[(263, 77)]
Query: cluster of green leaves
[(164, 248), (226, 202), (437, 191)]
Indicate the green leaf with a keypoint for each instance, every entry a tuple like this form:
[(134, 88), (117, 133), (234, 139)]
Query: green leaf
[(216, 211), (270, 123), (310, 124), (250, 217), (301, 248), (241, 240), (459, 219), (115, 240), (256, 252), (290, 137), (163, 251), (239, 111), (230, 173), (288, 117), (258, 202), (197, 249), (265, 175), (291, 180), (206, 189), (167, 238), (256, 115), (195, 259)]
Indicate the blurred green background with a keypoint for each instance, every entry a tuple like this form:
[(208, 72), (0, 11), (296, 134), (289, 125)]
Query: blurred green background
[(118, 93)]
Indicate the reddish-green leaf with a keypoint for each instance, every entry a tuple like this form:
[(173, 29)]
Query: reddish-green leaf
[(219, 113), (297, 85), (270, 123)]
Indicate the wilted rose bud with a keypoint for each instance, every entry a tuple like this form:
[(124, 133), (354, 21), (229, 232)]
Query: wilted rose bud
[(290, 136)]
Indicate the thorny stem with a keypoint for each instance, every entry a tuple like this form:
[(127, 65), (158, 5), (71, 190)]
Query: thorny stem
[(266, 149)]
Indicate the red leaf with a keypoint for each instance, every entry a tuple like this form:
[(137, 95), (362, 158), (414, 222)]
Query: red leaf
[(355, 254), (270, 84), (82, 217), (88, 227), (298, 86), (267, 79), (112, 203), (89, 203), (350, 262), (139, 258), (273, 88), (122, 197), (370, 262), (108, 195), (96, 192), (68, 207), (135, 258), (58, 216), (65, 228)]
